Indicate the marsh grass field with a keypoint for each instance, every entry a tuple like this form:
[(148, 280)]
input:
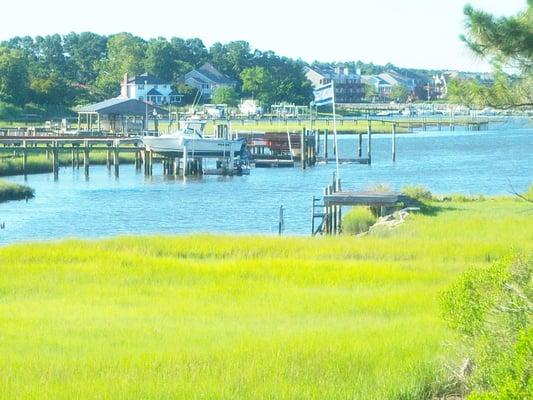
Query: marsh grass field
[(248, 317)]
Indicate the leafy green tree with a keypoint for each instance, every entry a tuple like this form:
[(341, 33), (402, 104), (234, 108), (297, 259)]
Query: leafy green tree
[(289, 82), (85, 50), (51, 56), (52, 90), (370, 92), (188, 53), (125, 54), (13, 76), (225, 95), (231, 58), (258, 83), (196, 51), (399, 93), (180, 69), (161, 59)]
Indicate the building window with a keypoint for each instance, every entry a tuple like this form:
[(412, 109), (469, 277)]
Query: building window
[(141, 87), (141, 98)]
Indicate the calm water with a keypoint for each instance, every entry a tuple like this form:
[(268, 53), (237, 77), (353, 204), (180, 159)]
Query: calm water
[(467, 162)]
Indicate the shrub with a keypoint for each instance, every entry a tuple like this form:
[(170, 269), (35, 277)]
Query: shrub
[(358, 220), (9, 111), (14, 191), (419, 193), (491, 308)]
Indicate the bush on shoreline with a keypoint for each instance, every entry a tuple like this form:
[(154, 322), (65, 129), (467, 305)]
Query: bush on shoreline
[(358, 220), (14, 191), (419, 193), (491, 310)]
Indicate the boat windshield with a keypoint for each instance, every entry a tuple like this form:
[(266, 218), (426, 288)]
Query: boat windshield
[(192, 126)]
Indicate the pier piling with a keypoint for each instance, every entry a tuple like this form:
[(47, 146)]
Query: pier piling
[(369, 145), (326, 145), (24, 158), (116, 159), (393, 142), (55, 160), (86, 159)]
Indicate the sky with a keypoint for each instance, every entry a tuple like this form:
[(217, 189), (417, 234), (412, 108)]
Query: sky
[(407, 33)]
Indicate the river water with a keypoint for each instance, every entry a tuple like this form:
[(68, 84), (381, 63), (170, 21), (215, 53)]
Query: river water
[(486, 162)]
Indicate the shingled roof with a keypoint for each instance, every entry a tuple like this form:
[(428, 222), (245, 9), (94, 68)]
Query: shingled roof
[(148, 78), (215, 75), (121, 106)]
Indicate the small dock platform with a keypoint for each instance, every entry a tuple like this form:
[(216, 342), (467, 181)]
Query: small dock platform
[(328, 210), (362, 198)]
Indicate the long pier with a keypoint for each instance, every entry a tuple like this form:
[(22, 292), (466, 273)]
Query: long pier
[(265, 149), (80, 152)]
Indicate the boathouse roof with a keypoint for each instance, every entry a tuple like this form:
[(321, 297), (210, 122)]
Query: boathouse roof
[(120, 106)]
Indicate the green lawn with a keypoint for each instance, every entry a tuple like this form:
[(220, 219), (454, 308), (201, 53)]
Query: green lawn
[(226, 317)]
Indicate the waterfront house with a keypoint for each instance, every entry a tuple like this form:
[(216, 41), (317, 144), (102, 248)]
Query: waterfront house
[(207, 79), (147, 87), (347, 83), (383, 88)]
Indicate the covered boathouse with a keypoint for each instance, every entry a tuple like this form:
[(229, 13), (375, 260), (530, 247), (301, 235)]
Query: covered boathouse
[(117, 115)]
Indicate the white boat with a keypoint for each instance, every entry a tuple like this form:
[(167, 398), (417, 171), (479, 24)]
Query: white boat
[(190, 136)]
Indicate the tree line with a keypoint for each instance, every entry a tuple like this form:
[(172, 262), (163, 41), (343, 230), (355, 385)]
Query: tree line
[(78, 68)]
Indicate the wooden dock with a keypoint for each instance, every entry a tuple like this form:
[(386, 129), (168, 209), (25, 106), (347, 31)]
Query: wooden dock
[(80, 149), (327, 212), (282, 149)]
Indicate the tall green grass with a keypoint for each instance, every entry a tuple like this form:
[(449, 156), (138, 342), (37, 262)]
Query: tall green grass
[(39, 163), (248, 317), (14, 191), (358, 220)]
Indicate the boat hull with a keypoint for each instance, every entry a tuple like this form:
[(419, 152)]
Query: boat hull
[(197, 147)]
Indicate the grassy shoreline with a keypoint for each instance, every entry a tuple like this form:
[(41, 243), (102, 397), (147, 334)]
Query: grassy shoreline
[(39, 164), (14, 191), (244, 317)]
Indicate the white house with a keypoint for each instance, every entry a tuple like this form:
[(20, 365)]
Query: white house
[(149, 88), (207, 79)]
